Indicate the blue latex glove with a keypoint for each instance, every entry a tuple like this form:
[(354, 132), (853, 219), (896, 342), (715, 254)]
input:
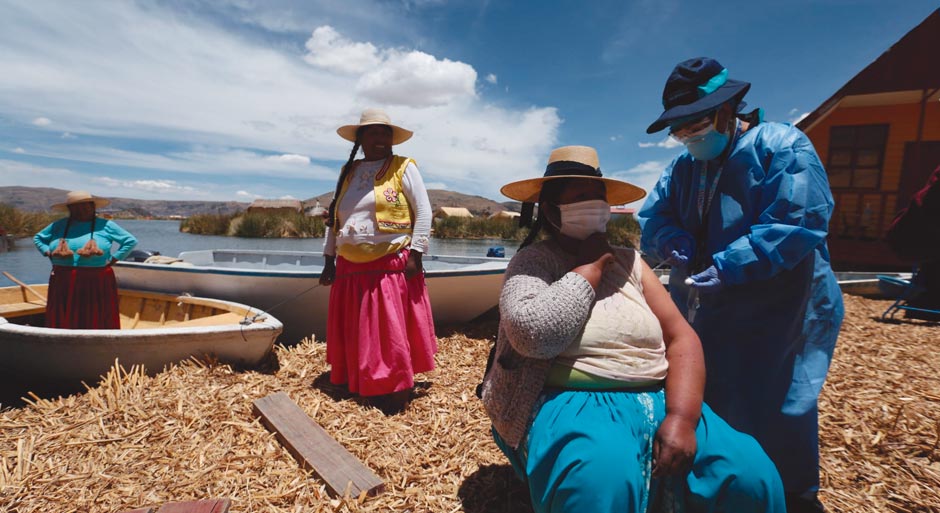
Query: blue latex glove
[(707, 281), (678, 251)]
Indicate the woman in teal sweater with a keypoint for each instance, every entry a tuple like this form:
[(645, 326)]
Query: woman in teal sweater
[(82, 288)]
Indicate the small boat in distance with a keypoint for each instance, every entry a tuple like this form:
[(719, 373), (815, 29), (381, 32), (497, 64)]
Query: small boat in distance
[(156, 330), (286, 283)]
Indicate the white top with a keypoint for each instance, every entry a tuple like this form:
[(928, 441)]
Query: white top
[(622, 339), (356, 210)]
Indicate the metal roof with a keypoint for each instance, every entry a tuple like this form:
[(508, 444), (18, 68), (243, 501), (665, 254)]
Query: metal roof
[(910, 65)]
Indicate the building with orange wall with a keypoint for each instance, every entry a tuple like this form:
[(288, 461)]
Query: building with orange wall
[(879, 139)]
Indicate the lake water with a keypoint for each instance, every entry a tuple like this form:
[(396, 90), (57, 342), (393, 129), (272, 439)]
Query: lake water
[(25, 263)]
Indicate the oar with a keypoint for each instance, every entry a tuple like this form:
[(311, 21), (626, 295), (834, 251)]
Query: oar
[(25, 286)]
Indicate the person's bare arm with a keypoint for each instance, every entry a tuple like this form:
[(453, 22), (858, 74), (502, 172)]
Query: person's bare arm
[(675, 445)]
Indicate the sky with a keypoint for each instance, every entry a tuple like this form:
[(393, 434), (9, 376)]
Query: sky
[(233, 100)]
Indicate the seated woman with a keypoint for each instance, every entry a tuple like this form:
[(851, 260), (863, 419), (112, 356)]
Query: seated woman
[(595, 391), (82, 288)]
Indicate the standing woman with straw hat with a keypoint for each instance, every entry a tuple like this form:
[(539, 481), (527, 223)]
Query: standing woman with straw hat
[(82, 288), (379, 328)]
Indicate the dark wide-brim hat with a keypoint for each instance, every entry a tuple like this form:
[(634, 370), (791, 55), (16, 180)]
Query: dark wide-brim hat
[(573, 162), (694, 87)]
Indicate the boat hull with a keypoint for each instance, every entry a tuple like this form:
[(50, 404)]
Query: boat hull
[(35, 354), (287, 285)]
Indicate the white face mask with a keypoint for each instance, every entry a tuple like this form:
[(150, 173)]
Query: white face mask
[(579, 220)]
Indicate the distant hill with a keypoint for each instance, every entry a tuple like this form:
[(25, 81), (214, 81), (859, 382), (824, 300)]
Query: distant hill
[(39, 199), (477, 205)]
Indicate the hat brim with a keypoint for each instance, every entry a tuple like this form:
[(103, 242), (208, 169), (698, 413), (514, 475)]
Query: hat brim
[(99, 203), (731, 89), (618, 192), (399, 134)]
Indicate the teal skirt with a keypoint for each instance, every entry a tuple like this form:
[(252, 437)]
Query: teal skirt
[(592, 451)]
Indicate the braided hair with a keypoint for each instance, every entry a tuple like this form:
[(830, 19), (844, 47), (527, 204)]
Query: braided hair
[(548, 194), (342, 178)]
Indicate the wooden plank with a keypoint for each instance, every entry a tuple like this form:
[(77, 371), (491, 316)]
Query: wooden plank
[(222, 319), (212, 303), (146, 294), (11, 310), (24, 286), (314, 448), (204, 506)]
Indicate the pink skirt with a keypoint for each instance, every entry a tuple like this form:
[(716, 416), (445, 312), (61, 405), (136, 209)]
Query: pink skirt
[(380, 332), (82, 298)]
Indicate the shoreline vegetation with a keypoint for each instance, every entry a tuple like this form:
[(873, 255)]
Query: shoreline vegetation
[(623, 230), (17, 223)]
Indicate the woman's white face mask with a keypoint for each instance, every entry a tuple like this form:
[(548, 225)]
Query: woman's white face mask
[(580, 220)]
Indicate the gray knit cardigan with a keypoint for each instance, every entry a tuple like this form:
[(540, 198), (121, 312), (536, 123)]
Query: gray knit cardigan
[(543, 308)]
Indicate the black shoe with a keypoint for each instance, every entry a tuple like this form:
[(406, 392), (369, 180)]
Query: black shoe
[(806, 503), (394, 403)]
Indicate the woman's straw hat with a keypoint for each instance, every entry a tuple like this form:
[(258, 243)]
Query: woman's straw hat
[(573, 162), (81, 197), (374, 117)]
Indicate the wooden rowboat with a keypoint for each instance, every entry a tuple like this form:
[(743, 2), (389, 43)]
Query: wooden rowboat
[(156, 330)]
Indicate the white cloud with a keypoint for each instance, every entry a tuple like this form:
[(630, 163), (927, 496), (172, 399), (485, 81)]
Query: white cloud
[(199, 160), (668, 143), (491, 78), (796, 119), (231, 101), (417, 79), (32, 175), (287, 197), (643, 175), (392, 76), (162, 187), (328, 49), (24, 174), (289, 159), (19, 150), (67, 135), (42, 121)]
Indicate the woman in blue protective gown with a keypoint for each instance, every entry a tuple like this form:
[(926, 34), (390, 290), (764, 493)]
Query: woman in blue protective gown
[(742, 217)]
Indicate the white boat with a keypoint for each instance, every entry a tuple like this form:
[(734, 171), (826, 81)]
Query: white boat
[(850, 282), (156, 329), (286, 283)]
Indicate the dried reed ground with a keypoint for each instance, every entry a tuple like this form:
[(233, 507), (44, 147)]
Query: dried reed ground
[(188, 433)]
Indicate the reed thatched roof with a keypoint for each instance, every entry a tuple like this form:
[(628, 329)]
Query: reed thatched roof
[(452, 212), (275, 204)]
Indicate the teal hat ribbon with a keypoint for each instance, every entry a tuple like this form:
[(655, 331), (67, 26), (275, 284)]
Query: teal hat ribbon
[(713, 83)]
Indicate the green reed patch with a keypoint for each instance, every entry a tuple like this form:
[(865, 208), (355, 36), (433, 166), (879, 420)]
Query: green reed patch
[(24, 224)]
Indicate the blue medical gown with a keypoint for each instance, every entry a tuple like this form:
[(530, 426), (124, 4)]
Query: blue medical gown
[(769, 334)]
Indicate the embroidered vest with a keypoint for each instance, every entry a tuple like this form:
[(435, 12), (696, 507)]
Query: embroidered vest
[(392, 213)]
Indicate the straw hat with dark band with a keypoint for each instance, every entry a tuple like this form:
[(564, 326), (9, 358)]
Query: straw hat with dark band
[(374, 117), (81, 197), (573, 162)]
